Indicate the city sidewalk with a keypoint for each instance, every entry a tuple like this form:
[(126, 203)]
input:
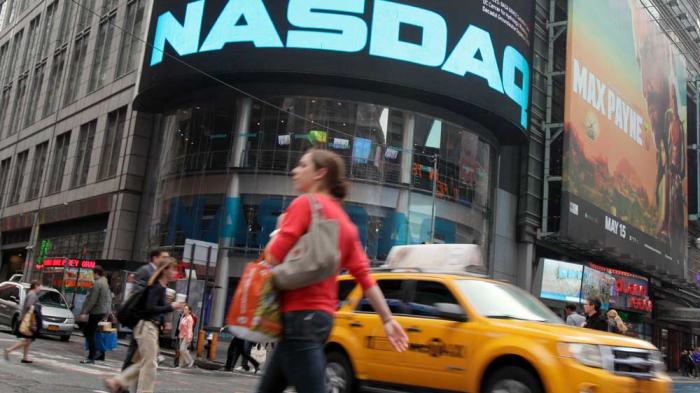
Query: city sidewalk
[(678, 378)]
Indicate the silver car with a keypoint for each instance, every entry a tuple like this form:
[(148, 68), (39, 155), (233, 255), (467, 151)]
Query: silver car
[(58, 320)]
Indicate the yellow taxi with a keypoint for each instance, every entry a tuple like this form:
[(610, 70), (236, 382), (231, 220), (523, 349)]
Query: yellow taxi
[(471, 334)]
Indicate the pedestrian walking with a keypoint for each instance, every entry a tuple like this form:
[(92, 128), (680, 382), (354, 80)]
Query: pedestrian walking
[(147, 332), (97, 306), (237, 349), (186, 334), (594, 318), (615, 323), (308, 313), (695, 358), (684, 360), (573, 318), (31, 319), (141, 277)]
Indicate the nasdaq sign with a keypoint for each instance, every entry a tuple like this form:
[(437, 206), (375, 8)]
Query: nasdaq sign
[(435, 38)]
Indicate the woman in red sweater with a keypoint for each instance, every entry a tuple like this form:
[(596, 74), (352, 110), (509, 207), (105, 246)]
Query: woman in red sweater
[(308, 313)]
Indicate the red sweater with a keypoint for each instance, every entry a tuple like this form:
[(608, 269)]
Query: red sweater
[(322, 296)]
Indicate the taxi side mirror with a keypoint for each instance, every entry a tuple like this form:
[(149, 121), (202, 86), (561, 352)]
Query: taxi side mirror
[(14, 299), (451, 312)]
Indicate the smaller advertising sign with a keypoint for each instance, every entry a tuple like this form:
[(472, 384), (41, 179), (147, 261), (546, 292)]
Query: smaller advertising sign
[(561, 281), (598, 284), (66, 262), (630, 291)]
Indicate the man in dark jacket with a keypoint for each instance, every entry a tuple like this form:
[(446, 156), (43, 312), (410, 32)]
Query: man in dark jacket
[(140, 282), (594, 318), (97, 305)]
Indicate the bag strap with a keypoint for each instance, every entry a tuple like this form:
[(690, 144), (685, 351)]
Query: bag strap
[(315, 208)]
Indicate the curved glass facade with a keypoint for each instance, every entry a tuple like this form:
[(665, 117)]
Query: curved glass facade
[(224, 165)]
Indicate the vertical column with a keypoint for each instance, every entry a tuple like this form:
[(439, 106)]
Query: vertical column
[(232, 206), (400, 221)]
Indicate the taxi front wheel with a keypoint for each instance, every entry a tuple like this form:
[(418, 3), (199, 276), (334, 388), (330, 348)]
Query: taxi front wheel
[(339, 374), (512, 379)]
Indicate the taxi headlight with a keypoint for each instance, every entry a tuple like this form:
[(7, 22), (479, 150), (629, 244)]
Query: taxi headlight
[(587, 354)]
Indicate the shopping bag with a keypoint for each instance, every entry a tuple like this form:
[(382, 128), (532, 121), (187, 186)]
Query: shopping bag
[(28, 325), (259, 353), (254, 314)]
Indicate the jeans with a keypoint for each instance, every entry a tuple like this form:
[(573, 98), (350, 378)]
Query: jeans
[(145, 369), (91, 332), (299, 360), (186, 359)]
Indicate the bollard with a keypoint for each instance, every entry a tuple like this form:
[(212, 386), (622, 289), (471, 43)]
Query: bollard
[(212, 346), (200, 343)]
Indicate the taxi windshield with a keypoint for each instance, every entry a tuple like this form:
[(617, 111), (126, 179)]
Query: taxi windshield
[(498, 300), (51, 299)]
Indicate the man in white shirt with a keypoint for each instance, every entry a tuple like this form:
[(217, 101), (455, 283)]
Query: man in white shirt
[(572, 317)]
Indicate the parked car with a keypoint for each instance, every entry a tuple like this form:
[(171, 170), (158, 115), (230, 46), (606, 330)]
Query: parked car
[(58, 320)]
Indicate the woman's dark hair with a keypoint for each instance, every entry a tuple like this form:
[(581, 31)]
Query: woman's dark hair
[(335, 180), (34, 285)]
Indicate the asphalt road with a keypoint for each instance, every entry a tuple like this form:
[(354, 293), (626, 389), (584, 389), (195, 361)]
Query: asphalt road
[(56, 369)]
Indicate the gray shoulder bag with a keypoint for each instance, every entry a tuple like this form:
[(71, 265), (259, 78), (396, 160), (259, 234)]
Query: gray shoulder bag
[(314, 257)]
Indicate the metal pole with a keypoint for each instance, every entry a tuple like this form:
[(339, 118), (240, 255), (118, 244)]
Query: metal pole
[(77, 281), (435, 176), (189, 276), (206, 280)]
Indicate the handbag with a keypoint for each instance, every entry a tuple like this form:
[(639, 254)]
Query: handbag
[(314, 257), (28, 325), (254, 314)]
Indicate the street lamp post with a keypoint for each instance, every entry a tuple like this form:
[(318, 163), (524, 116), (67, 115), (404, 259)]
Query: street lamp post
[(432, 218)]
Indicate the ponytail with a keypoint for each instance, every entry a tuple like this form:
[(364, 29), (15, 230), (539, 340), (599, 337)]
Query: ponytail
[(335, 181)]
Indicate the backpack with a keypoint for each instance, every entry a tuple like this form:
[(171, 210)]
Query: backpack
[(130, 312)]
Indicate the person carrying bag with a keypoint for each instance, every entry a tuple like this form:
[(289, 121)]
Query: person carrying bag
[(307, 284)]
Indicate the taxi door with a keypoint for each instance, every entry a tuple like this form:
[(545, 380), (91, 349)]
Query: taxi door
[(381, 362), (439, 348)]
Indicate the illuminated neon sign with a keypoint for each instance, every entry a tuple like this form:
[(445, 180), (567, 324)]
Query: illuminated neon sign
[(337, 25), (65, 262)]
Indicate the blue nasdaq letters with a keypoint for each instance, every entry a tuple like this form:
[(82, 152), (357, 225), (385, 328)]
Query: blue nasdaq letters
[(337, 25)]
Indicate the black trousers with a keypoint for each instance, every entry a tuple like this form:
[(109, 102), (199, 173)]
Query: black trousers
[(133, 347), (235, 350), (91, 332)]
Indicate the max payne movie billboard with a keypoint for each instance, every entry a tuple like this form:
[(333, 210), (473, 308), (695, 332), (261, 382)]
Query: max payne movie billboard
[(624, 171)]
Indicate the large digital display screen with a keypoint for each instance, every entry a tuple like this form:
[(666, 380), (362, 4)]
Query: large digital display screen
[(561, 281), (624, 170), (473, 57)]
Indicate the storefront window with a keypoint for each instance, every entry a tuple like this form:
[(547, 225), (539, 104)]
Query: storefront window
[(417, 179)]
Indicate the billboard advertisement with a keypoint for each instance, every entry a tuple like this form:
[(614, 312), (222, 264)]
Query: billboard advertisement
[(471, 57), (624, 170)]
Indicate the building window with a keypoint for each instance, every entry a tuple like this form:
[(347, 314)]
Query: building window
[(4, 107), (66, 15), (102, 53), (112, 144), (4, 55), (59, 61), (33, 102), (4, 176), (76, 67), (131, 37), (3, 13), (82, 160), (10, 73), (85, 14), (17, 180), (109, 6), (18, 105), (41, 153), (11, 12), (58, 165), (32, 37), (49, 22)]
